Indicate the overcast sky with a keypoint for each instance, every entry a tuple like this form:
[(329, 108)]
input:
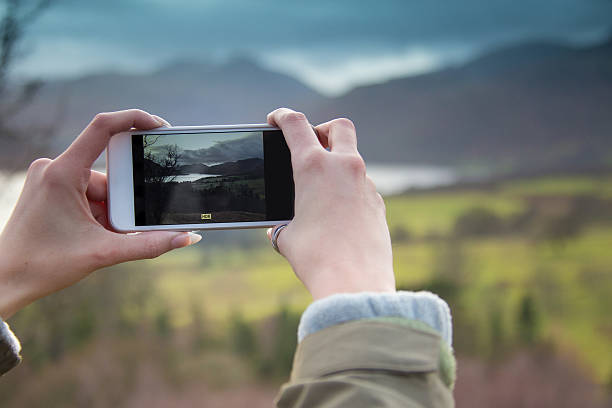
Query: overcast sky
[(211, 148), (330, 44)]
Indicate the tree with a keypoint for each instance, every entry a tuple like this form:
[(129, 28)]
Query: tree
[(17, 16), (528, 320), (478, 222), (242, 336), (160, 167), (400, 234)]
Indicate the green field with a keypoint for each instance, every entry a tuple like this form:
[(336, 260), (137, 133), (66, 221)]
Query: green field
[(537, 272), (571, 281)]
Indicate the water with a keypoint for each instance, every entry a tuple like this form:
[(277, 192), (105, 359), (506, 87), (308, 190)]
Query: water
[(389, 179), (393, 179), (9, 193), (192, 177)]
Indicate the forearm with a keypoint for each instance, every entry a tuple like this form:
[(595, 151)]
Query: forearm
[(10, 295), (15, 292), (384, 350)]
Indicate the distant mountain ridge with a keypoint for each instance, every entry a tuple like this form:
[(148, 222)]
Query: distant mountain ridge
[(236, 92), (253, 166), (533, 105)]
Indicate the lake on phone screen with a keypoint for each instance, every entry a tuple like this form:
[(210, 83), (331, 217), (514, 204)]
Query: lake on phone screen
[(192, 177), (389, 180)]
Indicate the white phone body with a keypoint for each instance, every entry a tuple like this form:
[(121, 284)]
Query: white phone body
[(119, 170)]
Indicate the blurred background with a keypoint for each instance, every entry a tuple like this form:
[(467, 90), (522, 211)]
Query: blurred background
[(487, 126)]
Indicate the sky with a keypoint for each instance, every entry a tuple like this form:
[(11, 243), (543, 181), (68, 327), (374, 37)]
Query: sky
[(212, 148), (330, 45)]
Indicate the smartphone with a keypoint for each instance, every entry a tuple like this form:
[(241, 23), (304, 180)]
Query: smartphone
[(198, 178)]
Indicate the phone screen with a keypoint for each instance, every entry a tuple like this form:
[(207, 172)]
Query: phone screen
[(212, 177)]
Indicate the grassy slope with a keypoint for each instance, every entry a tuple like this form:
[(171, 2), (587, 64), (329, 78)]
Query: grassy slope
[(571, 282)]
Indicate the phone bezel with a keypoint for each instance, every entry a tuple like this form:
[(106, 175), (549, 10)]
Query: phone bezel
[(119, 172)]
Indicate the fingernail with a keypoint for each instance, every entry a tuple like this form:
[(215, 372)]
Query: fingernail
[(162, 122), (185, 239), (269, 232), (194, 238)]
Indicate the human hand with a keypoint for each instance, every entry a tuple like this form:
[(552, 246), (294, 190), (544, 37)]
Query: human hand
[(338, 241), (59, 233)]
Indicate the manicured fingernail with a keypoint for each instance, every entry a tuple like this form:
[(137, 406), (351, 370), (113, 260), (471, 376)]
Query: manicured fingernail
[(269, 232), (185, 239), (162, 122), (194, 238)]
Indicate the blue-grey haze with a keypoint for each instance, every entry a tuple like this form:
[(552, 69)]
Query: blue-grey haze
[(327, 44)]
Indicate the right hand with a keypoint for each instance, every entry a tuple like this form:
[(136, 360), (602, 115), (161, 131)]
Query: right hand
[(338, 241)]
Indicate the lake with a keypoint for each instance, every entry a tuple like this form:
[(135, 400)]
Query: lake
[(389, 179), (192, 177)]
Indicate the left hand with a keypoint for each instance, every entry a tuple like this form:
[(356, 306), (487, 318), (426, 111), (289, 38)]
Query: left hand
[(59, 233)]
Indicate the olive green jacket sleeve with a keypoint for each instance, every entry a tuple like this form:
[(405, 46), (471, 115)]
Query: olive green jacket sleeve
[(369, 363)]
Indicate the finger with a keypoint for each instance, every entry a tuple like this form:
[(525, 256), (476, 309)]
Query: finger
[(96, 188), (370, 184), (93, 140), (374, 195), (322, 139), (297, 130), (339, 135), (275, 230), (162, 120), (99, 212), (148, 245)]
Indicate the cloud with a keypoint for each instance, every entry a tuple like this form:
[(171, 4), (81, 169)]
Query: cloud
[(342, 75), (225, 151), (249, 25), (323, 36)]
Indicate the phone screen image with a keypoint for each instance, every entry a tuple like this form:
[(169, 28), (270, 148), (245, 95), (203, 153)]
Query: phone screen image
[(211, 177)]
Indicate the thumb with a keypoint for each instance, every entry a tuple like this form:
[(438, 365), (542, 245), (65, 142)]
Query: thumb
[(147, 245)]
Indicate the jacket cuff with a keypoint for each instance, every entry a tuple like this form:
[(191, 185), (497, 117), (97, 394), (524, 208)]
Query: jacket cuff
[(425, 307), (367, 345), (9, 349)]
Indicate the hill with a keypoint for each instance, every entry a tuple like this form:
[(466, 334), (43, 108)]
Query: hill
[(532, 106), (184, 93), (253, 166), (537, 105)]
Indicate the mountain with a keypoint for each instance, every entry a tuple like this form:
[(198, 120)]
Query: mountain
[(235, 168), (185, 93), (254, 166), (536, 105), (194, 169)]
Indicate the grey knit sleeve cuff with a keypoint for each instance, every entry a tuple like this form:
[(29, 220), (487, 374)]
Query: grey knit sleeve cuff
[(425, 307), (9, 349)]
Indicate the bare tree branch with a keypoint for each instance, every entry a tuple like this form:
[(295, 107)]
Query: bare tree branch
[(161, 168), (17, 15), (149, 140)]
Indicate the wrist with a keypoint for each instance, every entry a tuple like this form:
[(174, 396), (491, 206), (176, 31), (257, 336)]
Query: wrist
[(331, 282), (13, 293), (327, 291)]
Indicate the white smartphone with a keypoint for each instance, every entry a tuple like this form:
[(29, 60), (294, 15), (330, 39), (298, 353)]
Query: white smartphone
[(199, 177)]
